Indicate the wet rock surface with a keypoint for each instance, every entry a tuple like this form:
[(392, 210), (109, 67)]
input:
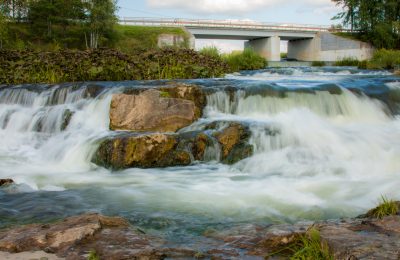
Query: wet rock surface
[(115, 238), (6, 182), (229, 141)]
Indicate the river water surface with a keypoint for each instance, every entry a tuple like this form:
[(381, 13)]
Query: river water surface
[(332, 148)]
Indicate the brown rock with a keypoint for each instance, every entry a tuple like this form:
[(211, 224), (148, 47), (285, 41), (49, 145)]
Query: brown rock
[(234, 143), (151, 110), (55, 237), (6, 182), (144, 151)]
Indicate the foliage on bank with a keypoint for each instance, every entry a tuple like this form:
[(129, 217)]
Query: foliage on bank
[(18, 67), (247, 59), (377, 22)]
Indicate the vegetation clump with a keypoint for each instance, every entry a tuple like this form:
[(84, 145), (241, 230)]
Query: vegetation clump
[(385, 208), (246, 60), (306, 247), (347, 61), (385, 59), (18, 67), (318, 63)]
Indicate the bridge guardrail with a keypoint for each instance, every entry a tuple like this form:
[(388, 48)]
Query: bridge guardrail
[(235, 24)]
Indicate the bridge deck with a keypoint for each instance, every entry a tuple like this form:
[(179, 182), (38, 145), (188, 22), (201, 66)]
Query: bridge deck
[(228, 24)]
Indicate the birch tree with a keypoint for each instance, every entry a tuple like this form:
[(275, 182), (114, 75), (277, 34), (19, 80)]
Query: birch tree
[(101, 19)]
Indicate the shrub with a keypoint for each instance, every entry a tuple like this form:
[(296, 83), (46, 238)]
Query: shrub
[(318, 63), (385, 208), (385, 59), (347, 61), (17, 67), (246, 60)]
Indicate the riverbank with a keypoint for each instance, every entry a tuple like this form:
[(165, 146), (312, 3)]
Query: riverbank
[(18, 67)]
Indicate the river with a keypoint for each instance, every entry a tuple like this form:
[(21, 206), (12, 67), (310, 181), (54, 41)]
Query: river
[(326, 141)]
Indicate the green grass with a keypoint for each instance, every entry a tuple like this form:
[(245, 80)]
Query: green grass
[(306, 247), (246, 60), (211, 51), (347, 61), (385, 59), (283, 55), (385, 208), (144, 37), (318, 63)]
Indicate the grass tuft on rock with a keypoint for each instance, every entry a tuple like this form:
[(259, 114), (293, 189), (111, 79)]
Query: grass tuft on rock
[(385, 208), (93, 255), (308, 246)]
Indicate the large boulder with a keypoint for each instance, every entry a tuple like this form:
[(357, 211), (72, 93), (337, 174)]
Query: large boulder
[(143, 151), (151, 110)]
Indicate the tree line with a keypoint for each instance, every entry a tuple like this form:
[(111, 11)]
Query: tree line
[(376, 21), (70, 23)]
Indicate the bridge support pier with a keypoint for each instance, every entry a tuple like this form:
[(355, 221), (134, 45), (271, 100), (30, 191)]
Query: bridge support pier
[(269, 48)]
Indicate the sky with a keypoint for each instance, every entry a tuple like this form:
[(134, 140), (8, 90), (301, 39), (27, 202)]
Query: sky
[(317, 12)]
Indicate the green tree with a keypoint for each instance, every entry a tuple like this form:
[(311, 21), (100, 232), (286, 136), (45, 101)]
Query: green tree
[(53, 19), (100, 21), (375, 20), (3, 29)]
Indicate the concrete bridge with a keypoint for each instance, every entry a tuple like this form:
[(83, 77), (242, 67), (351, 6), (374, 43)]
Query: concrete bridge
[(305, 42)]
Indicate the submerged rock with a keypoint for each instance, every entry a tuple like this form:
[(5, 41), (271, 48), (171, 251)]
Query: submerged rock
[(6, 182), (154, 110), (66, 119), (144, 151)]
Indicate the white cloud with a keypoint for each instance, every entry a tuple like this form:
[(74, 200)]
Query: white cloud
[(215, 6), (241, 7)]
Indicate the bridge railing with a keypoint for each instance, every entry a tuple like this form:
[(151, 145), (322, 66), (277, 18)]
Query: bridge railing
[(234, 24)]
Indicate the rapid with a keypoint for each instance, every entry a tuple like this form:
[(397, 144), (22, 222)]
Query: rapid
[(326, 145)]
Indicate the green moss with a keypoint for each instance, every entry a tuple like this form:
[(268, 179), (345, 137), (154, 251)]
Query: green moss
[(306, 247), (385, 208), (165, 94)]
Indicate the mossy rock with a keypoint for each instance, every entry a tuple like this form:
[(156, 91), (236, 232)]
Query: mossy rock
[(142, 151)]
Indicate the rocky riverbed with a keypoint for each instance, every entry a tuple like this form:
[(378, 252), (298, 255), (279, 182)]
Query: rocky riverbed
[(115, 238)]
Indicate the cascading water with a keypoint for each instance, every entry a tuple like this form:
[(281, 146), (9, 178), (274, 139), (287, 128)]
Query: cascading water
[(326, 144)]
